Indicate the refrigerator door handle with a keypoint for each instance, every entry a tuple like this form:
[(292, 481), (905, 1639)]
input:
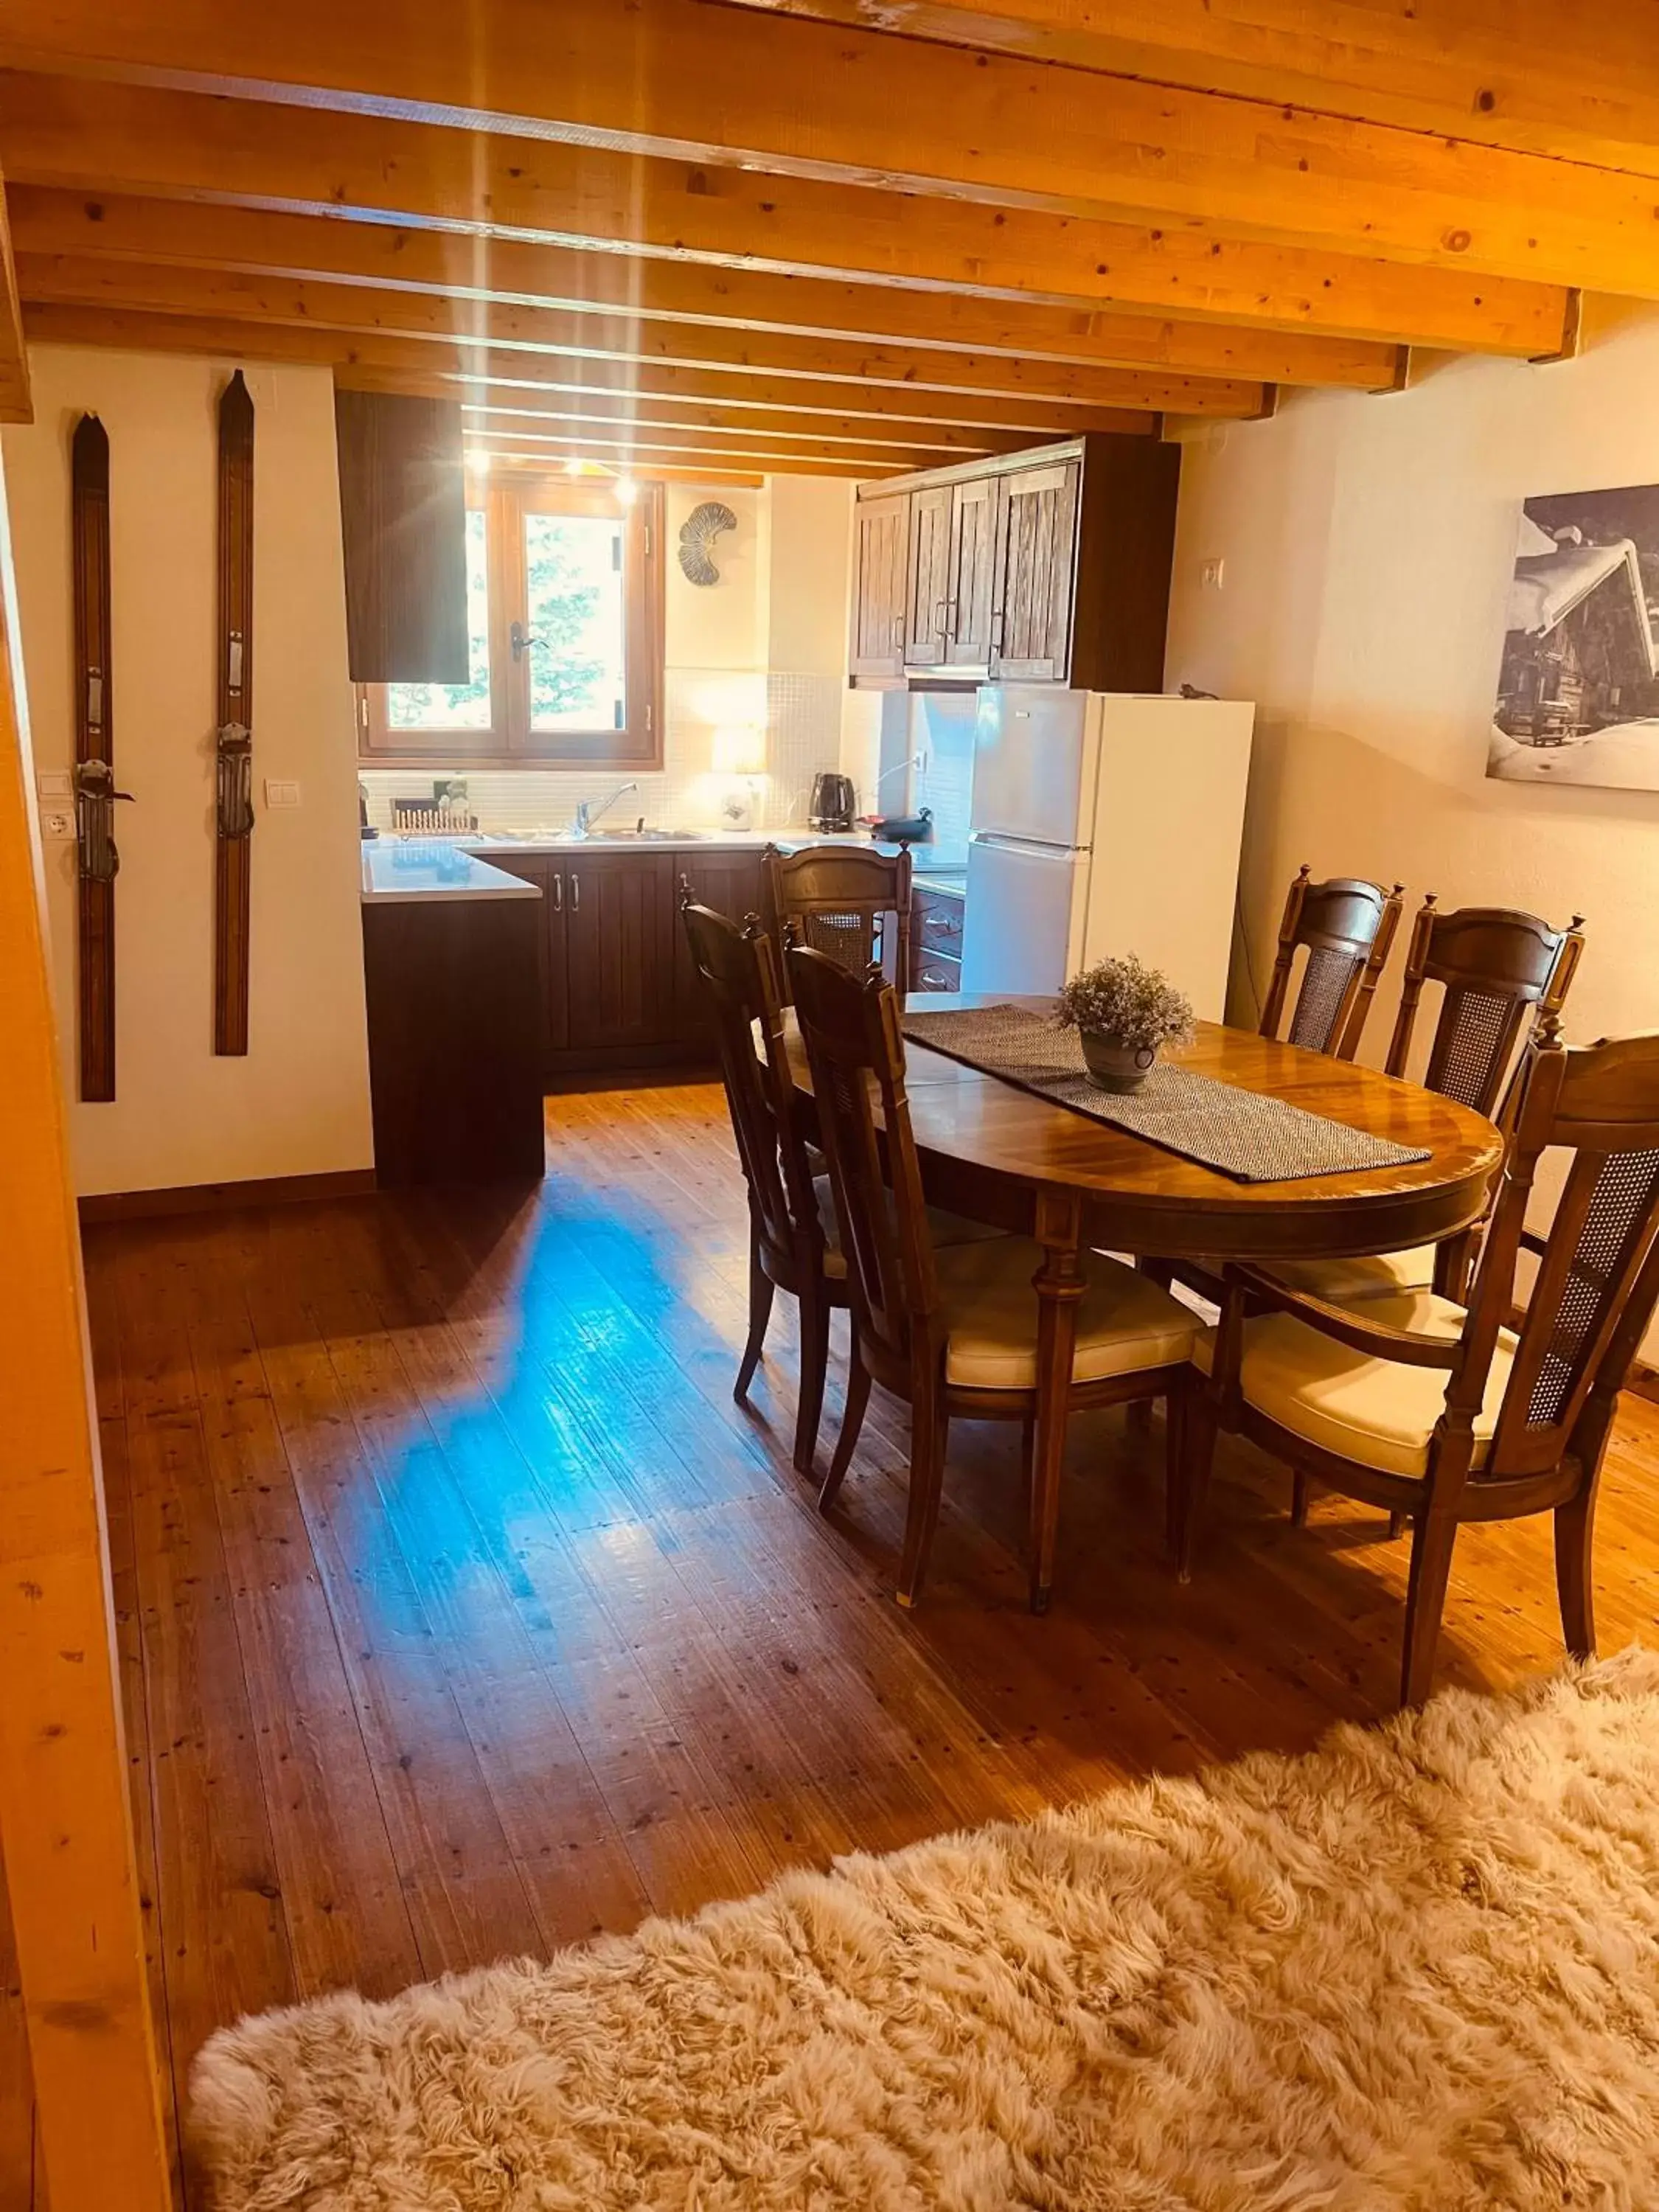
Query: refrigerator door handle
[(1002, 840)]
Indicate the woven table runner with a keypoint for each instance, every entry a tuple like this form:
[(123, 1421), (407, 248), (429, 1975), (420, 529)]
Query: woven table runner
[(1241, 1133)]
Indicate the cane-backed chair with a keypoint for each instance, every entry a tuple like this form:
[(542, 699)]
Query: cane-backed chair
[(952, 1331), (1493, 966), (847, 901), (1442, 1411), (1347, 928)]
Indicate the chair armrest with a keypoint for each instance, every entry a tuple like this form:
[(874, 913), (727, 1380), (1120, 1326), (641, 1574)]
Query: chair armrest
[(1403, 1346)]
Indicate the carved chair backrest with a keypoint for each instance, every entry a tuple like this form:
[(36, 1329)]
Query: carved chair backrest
[(1493, 964), (1347, 927), (850, 903), (1598, 1271), (849, 1027), (738, 971)]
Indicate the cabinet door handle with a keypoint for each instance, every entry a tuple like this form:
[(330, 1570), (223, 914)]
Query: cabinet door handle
[(575, 893), (558, 892), (933, 981), (898, 630)]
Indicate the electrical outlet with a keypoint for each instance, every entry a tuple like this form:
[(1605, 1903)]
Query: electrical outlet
[(280, 791), (58, 823), (1212, 575)]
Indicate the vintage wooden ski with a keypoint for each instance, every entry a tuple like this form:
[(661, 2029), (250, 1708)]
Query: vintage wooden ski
[(95, 776), (234, 798)]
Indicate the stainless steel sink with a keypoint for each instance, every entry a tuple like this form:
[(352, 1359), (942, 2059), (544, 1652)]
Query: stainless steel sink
[(641, 836)]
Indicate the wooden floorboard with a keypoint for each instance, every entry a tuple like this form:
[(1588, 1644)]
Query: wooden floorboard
[(461, 1613)]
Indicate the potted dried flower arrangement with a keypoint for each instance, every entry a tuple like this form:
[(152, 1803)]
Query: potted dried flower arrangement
[(1123, 1011)]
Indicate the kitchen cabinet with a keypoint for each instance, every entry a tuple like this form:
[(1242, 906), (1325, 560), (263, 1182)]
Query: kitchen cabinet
[(928, 594), (935, 940), (1035, 540), (453, 992), (969, 616), (616, 987), (881, 540), (618, 921), (730, 882), (1049, 565)]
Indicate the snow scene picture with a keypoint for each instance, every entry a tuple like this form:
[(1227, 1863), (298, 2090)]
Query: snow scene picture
[(1578, 692)]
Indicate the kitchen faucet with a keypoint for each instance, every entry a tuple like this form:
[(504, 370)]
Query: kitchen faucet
[(587, 813)]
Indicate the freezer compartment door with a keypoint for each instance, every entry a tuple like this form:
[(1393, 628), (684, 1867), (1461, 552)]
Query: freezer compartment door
[(1036, 755), (1022, 925)]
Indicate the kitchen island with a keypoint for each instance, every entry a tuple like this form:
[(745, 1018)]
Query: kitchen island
[(452, 978)]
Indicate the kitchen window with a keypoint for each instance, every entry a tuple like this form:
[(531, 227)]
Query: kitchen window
[(564, 619)]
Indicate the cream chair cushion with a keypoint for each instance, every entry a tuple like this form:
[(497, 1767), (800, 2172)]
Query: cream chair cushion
[(945, 1229), (1374, 1411), (1385, 1275), (1124, 1322)]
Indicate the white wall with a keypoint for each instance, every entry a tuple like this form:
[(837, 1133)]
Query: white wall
[(1367, 543), (298, 1104)]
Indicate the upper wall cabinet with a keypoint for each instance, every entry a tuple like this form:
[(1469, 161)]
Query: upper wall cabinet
[(881, 531), (1048, 566)]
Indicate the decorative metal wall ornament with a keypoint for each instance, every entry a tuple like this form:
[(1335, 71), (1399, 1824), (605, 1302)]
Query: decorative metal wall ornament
[(697, 533)]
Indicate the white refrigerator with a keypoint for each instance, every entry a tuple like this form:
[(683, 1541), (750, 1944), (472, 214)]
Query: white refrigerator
[(1104, 822)]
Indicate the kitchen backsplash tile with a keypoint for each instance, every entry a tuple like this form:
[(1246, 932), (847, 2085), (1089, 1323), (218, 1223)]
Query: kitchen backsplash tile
[(707, 713)]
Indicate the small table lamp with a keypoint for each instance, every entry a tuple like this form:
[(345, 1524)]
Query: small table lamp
[(741, 754)]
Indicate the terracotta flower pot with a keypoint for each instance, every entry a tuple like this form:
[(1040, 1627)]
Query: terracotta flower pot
[(1114, 1065)]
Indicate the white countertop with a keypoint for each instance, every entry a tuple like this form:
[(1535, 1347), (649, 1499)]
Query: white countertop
[(410, 872), (407, 869)]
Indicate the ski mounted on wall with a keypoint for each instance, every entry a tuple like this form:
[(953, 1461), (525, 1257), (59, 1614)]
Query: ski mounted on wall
[(94, 775), (233, 744)]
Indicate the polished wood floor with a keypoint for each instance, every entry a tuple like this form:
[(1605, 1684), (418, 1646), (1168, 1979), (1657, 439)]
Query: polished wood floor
[(463, 1614)]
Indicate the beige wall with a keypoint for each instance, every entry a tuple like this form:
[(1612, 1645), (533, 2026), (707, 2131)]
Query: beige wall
[(298, 1104), (1367, 542)]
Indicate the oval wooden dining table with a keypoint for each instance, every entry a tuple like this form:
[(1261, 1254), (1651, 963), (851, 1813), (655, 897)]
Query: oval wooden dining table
[(1002, 1155)]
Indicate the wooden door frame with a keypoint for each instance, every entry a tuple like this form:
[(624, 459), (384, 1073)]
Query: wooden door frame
[(65, 1814)]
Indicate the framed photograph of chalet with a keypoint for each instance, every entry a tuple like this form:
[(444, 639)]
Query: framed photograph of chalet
[(1578, 691)]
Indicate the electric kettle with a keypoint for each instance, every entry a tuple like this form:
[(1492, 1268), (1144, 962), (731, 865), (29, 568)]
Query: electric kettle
[(834, 802)]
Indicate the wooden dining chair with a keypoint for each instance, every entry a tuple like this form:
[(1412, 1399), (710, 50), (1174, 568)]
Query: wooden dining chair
[(788, 1250), (1347, 929), (1493, 966), (1420, 1404), (852, 904), (952, 1331)]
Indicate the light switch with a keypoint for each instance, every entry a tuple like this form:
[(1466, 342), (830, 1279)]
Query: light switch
[(281, 792), (54, 783), (1212, 575)]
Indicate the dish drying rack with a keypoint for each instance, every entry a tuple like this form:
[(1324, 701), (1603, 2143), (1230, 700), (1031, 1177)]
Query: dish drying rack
[(419, 818)]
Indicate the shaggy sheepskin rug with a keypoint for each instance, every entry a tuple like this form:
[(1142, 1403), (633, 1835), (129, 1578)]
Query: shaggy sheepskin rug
[(1418, 1967)]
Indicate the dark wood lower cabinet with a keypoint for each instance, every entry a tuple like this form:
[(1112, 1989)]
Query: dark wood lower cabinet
[(618, 990), (454, 1002)]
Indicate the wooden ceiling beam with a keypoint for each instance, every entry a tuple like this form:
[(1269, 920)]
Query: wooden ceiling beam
[(100, 138), (1476, 71), (67, 280), (514, 272), (604, 440), (167, 143), (493, 410), (676, 79), (461, 372), (15, 405)]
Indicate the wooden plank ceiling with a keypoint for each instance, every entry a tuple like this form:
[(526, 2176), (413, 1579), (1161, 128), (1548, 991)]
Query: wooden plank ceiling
[(852, 236)]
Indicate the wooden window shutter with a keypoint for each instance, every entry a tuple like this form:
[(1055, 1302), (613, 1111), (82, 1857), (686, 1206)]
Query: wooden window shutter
[(403, 512)]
